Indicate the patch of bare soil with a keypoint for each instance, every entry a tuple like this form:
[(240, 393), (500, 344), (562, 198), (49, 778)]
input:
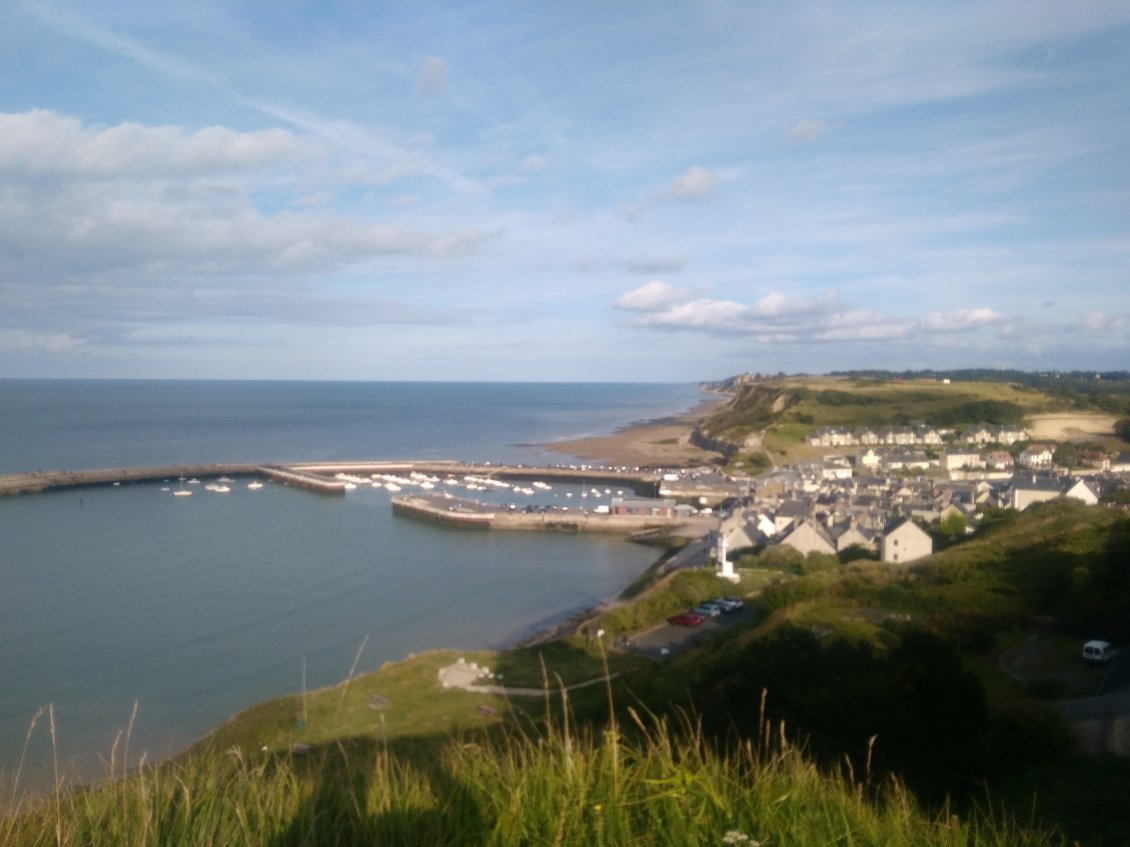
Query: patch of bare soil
[(1068, 427)]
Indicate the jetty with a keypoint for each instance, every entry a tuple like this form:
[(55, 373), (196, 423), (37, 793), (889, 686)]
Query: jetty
[(319, 477), (33, 482), (472, 514)]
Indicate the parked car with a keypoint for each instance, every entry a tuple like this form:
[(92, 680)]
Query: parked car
[(1098, 652), (708, 610), (728, 604), (686, 619)]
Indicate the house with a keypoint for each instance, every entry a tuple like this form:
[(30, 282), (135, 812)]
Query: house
[(977, 435), (1081, 490), (1027, 490), (790, 512), (905, 542), (1035, 456), (1008, 434), (1000, 460), (809, 537), (869, 460), (855, 535), (953, 460)]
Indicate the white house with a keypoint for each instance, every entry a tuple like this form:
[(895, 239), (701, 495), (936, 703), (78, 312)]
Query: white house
[(808, 537), (1035, 456), (953, 460), (906, 542), (1027, 490), (1082, 491)]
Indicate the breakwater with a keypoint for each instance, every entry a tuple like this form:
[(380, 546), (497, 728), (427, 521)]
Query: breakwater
[(34, 482), (318, 476), (472, 514)]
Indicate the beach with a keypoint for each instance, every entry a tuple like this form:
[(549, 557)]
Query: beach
[(661, 442)]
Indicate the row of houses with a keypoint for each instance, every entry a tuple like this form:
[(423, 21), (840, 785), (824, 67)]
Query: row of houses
[(881, 514), (919, 435), (880, 459)]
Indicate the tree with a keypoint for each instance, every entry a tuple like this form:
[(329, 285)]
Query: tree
[(953, 525), (1122, 429)]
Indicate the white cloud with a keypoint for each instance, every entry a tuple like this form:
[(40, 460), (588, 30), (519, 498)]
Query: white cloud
[(432, 77), (20, 341), (43, 141), (779, 317), (806, 131), (652, 296), (694, 184)]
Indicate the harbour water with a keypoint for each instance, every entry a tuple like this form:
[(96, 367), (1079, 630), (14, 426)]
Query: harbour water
[(196, 607)]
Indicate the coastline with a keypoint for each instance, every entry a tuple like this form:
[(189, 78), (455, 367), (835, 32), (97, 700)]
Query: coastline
[(659, 442)]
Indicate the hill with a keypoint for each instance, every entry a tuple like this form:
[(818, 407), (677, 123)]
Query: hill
[(775, 413)]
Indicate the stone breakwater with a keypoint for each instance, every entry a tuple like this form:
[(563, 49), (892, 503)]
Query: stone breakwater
[(36, 481), (318, 476), (472, 514)]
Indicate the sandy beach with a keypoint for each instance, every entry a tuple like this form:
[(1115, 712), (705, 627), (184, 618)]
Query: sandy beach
[(664, 442)]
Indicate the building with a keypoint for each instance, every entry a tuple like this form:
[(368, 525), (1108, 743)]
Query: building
[(953, 460), (1035, 456), (905, 542), (809, 537), (1027, 490), (643, 506)]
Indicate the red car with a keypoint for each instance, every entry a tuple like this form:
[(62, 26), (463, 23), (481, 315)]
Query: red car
[(686, 619)]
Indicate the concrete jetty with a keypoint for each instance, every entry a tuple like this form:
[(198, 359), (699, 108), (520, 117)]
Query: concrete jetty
[(475, 515), (36, 481), (301, 478)]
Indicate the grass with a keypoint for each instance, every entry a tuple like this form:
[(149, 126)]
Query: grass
[(546, 782)]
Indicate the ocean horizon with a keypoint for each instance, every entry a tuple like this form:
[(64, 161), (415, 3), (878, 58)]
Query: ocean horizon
[(197, 607)]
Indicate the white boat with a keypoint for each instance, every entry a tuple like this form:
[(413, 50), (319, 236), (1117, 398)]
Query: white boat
[(351, 486), (182, 493), (225, 480), (255, 486), (392, 486), (194, 481), (221, 489)]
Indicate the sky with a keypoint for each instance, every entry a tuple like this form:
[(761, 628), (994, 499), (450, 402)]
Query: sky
[(561, 191)]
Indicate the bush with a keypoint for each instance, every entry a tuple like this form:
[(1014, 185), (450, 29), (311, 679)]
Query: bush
[(1048, 688)]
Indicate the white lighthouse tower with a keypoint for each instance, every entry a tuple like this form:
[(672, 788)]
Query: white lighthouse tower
[(726, 566)]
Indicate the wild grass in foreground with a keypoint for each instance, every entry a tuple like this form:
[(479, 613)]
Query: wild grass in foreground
[(544, 783)]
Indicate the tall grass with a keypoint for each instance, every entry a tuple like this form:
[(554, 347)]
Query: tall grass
[(545, 782)]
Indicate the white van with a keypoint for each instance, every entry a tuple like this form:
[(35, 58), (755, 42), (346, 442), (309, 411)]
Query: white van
[(1099, 652)]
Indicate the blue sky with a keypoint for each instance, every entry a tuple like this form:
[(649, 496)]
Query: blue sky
[(561, 190)]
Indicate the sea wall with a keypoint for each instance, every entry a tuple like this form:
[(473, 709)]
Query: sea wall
[(474, 515), (33, 482)]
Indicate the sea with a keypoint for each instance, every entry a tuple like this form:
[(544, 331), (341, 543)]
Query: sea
[(120, 601)]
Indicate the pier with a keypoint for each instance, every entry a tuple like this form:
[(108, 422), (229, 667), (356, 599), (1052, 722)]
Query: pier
[(472, 514), (37, 481), (317, 476)]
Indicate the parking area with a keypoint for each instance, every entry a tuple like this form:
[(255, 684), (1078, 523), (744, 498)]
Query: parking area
[(668, 640)]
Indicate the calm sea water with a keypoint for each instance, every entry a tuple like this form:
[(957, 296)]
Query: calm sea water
[(197, 607)]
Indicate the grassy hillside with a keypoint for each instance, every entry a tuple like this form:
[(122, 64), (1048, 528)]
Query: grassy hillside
[(782, 410), (544, 783)]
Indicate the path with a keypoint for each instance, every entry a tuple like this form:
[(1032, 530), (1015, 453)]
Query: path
[(466, 676)]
